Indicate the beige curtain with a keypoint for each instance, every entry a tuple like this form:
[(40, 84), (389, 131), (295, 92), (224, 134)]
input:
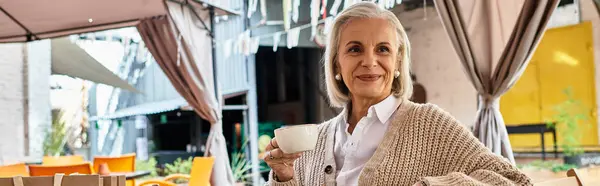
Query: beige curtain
[(182, 48), (494, 40)]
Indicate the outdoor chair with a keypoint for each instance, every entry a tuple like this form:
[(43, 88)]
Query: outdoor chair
[(124, 163), (62, 160), (566, 181), (586, 176), (576, 177), (50, 170), (199, 175), (19, 169)]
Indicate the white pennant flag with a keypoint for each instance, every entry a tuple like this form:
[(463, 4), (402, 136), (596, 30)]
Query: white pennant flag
[(296, 11), (276, 38), (335, 7), (227, 48), (263, 9), (287, 10), (255, 45), (246, 43), (398, 1), (328, 22), (293, 37), (252, 4), (314, 17), (237, 45)]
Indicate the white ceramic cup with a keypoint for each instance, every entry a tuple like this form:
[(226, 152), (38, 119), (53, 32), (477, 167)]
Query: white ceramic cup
[(297, 138)]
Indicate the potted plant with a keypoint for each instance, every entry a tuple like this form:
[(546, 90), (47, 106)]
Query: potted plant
[(179, 166), (570, 116), (55, 136), (242, 167)]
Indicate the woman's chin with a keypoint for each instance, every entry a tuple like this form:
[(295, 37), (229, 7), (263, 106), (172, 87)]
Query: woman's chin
[(368, 93)]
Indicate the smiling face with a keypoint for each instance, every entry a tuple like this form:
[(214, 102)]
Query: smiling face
[(367, 57)]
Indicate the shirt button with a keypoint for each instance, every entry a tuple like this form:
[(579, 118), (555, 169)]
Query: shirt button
[(328, 169)]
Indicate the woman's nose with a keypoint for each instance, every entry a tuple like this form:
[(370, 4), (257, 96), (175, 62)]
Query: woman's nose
[(369, 60)]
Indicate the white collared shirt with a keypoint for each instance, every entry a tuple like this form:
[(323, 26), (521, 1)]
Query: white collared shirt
[(353, 151)]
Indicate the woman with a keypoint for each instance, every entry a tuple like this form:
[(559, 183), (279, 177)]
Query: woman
[(381, 138)]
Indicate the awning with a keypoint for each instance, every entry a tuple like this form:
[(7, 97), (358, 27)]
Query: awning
[(28, 20), (219, 5), (145, 109), (70, 59)]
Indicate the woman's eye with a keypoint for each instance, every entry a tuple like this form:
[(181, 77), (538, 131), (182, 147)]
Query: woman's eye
[(383, 49), (354, 49)]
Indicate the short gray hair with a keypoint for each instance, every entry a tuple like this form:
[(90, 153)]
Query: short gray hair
[(337, 91)]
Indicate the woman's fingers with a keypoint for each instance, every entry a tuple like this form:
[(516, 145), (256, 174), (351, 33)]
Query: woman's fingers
[(278, 154), (272, 145)]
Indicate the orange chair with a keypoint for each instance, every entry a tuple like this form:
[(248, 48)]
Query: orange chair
[(50, 170), (19, 169), (124, 163), (62, 160), (199, 175)]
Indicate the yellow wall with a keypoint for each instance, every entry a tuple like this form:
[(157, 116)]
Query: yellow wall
[(563, 59)]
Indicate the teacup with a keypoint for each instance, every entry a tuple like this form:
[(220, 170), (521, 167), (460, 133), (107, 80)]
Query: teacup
[(297, 138)]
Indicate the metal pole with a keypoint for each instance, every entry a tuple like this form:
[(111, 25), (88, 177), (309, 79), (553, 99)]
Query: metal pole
[(252, 115)]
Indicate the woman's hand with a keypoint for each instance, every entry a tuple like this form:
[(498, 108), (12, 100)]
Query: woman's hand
[(282, 164)]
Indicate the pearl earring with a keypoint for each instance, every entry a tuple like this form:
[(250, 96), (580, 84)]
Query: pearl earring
[(338, 77), (396, 74)]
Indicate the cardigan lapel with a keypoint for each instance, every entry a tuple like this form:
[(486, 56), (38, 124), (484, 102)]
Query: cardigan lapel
[(382, 151), (329, 147)]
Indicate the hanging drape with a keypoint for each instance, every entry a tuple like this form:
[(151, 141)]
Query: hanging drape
[(494, 40), (182, 48)]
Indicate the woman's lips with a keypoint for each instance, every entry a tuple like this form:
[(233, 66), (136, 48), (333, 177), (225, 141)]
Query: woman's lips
[(369, 77)]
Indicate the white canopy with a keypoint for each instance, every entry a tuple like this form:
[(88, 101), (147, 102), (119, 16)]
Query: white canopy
[(28, 20), (70, 59)]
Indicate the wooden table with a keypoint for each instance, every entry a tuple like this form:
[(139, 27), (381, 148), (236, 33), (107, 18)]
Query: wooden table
[(539, 128), (131, 175)]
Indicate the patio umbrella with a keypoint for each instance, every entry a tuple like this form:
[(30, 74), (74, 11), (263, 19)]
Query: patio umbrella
[(494, 40), (29, 20)]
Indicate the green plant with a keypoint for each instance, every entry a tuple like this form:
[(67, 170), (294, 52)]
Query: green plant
[(148, 165), (570, 114), (179, 166), (241, 166), (55, 135)]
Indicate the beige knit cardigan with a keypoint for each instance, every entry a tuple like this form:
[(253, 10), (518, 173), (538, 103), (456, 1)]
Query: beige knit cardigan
[(423, 144)]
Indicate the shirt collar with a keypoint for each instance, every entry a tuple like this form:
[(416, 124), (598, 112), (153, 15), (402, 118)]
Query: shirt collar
[(386, 108), (383, 110)]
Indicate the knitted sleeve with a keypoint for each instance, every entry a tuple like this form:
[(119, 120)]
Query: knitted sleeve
[(273, 182), (298, 174), (474, 163), (309, 161)]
